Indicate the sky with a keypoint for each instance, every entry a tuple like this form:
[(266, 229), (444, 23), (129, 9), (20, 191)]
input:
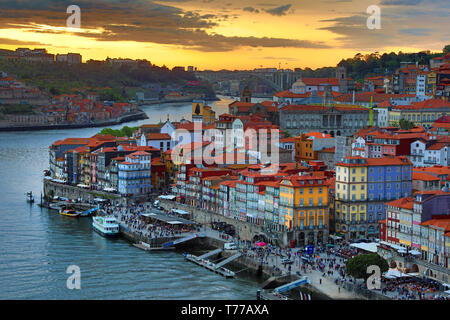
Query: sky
[(226, 34)]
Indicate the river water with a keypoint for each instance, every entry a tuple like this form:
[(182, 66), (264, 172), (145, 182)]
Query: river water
[(37, 245)]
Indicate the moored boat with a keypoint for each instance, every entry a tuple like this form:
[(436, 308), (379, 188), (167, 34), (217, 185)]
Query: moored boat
[(106, 226), (69, 213)]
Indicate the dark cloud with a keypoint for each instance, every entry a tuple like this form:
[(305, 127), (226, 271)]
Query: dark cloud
[(400, 2), (416, 31), (251, 9), (139, 21), (279, 11), (6, 41)]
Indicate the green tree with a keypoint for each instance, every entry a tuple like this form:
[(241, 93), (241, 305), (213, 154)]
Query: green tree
[(446, 49), (357, 266), (406, 124)]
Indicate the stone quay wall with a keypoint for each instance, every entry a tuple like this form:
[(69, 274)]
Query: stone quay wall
[(244, 230), (74, 192)]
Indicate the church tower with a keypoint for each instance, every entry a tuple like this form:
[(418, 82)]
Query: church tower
[(341, 75), (246, 95)]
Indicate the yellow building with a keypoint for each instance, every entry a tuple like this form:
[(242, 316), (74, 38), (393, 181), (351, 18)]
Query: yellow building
[(423, 113), (350, 195), (304, 207), (202, 112)]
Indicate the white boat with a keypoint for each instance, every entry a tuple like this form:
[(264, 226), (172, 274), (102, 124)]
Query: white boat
[(106, 226)]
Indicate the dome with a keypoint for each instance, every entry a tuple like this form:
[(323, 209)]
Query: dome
[(298, 86)]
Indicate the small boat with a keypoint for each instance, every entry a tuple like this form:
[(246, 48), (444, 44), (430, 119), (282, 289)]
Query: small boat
[(69, 213), (106, 226), (30, 197)]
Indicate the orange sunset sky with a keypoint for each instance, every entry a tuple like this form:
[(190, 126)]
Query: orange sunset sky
[(230, 34)]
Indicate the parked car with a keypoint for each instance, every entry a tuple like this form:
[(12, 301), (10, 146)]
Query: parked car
[(230, 246)]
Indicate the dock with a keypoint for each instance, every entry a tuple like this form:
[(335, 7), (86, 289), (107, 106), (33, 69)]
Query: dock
[(147, 247), (219, 269)]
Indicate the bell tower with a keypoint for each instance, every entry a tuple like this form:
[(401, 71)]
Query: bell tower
[(246, 94), (341, 75)]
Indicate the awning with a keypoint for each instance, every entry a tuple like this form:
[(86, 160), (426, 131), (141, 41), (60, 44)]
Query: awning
[(179, 211), (415, 252), (371, 247), (109, 189), (168, 197), (174, 222)]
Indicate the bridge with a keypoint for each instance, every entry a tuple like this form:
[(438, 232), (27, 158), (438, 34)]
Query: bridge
[(278, 80)]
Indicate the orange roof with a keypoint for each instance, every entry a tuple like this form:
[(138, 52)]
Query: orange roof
[(69, 141), (440, 223), (405, 203), (385, 161), (287, 140), (436, 169), (424, 176), (318, 135), (139, 153), (157, 136)]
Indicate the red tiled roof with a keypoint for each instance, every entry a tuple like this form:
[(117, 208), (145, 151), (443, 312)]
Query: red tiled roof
[(157, 136), (440, 223), (405, 203), (423, 176), (318, 135)]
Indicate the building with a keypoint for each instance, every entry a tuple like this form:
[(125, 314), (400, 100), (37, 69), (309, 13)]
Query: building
[(303, 202), (362, 187), (69, 58), (309, 144), (423, 113), (134, 174), (333, 120), (423, 181)]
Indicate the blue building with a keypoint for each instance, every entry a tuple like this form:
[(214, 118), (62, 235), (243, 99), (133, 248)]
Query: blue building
[(387, 179)]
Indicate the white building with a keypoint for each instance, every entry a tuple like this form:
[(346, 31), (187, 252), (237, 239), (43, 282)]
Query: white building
[(421, 82), (161, 141), (429, 153), (135, 174)]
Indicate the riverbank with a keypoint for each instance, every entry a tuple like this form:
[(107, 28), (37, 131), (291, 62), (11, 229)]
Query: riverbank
[(128, 117), (163, 101)]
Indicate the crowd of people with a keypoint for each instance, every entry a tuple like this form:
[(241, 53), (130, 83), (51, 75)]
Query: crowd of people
[(410, 288), (330, 262), (326, 261), (130, 217)]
